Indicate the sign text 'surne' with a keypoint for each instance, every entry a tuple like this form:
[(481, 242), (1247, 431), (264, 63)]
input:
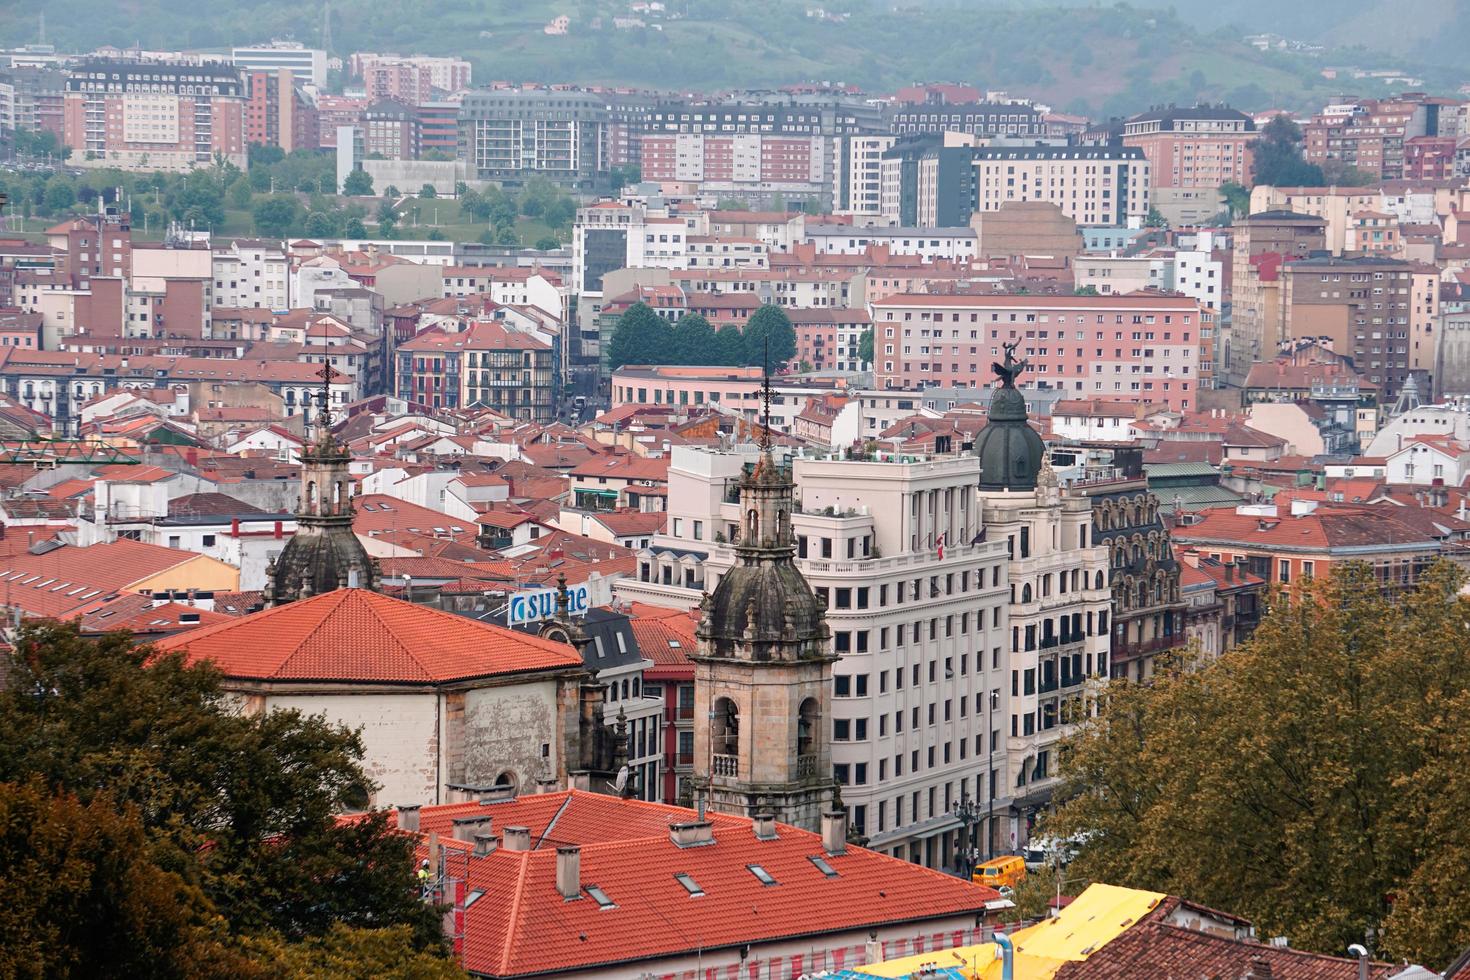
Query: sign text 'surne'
[(538, 604)]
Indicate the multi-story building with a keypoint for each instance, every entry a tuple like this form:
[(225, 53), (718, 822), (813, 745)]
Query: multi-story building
[(438, 124), (277, 113), (1358, 308), (401, 81), (1190, 153), (308, 65), (334, 112), (985, 119), (479, 363), (249, 273), (775, 114), (1136, 348), (928, 181), (917, 620), (450, 75), (1375, 134), (511, 135), (828, 339), (40, 99), (856, 174), (1098, 185), (154, 115), (390, 129), (1261, 242), (757, 166)]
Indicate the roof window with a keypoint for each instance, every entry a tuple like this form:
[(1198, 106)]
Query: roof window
[(761, 874), (600, 897), (822, 865), (690, 885)]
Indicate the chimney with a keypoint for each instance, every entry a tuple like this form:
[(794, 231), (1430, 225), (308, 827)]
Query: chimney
[(408, 817), (465, 828), (693, 833), (485, 844), (1230, 571), (764, 825), (569, 871), (834, 831), (1260, 969), (517, 838)]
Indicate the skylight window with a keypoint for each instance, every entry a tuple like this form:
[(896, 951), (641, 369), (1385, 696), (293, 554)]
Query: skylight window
[(761, 874), (823, 866), (690, 885), (600, 897), (474, 897)]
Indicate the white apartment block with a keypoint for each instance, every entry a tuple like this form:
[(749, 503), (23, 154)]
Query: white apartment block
[(857, 174), (307, 65), (1093, 185), (927, 243), (251, 273), (922, 638)]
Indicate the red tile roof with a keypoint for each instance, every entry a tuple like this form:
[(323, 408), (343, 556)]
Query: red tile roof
[(361, 636), (522, 925), (626, 466), (657, 630), (61, 581)]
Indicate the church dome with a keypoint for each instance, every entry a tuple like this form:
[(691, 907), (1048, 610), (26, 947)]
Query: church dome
[(1010, 450), (769, 607)]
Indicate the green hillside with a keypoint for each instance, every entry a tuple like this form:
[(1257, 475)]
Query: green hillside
[(1097, 59)]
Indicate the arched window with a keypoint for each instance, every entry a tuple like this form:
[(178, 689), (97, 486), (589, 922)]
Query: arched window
[(808, 718), (1026, 592), (780, 525), (725, 727), (311, 493), (752, 522), (1099, 583), (506, 778)]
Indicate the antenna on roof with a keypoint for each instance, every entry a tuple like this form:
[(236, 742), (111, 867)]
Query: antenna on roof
[(765, 439)]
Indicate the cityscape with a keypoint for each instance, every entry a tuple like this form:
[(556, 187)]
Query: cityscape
[(656, 491)]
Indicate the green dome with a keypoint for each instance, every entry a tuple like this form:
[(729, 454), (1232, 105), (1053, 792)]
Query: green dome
[(1010, 450)]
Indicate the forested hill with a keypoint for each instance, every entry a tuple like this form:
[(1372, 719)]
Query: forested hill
[(1099, 59)]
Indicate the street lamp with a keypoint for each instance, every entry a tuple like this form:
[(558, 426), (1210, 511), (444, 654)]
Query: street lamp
[(968, 814)]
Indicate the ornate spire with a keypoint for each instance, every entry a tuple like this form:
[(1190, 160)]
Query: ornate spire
[(765, 437)]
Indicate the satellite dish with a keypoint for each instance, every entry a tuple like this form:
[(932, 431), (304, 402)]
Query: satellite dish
[(621, 782)]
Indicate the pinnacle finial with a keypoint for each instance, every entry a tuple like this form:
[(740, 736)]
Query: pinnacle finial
[(765, 438)]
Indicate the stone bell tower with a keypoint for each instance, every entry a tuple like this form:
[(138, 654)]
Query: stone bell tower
[(763, 667)]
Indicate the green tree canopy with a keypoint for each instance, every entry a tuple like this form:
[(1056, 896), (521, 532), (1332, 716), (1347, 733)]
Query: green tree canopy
[(275, 216), (359, 183), (242, 806), (1315, 779), (428, 191), (61, 194), (729, 346), (865, 346), (641, 337), (694, 340), (1237, 198), (769, 324), (1277, 156)]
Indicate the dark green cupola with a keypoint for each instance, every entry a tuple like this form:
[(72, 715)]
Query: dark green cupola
[(1010, 450)]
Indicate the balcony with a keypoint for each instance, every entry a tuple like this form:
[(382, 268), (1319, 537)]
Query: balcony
[(726, 765)]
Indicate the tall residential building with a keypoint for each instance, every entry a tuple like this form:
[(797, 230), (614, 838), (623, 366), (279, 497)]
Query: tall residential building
[(479, 363), (1261, 242), (449, 75), (249, 273), (390, 129), (915, 605), (154, 115), (1094, 185), (986, 119), (1134, 348), (1191, 152), (755, 166), (511, 135), (40, 97), (277, 113), (438, 127), (398, 80), (856, 174), (1375, 134), (1358, 308), (309, 65), (1058, 612)]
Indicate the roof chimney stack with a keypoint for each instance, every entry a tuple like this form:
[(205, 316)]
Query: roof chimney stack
[(485, 844), (408, 818), (517, 838), (764, 825), (569, 871), (692, 833), (465, 828), (834, 831)]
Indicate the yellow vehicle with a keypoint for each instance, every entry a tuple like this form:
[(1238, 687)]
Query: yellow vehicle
[(1001, 872)]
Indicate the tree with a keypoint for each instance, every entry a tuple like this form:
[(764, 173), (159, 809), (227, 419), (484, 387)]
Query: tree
[(1237, 198), (428, 191), (240, 193), (354, 228), (355, 954), (547, 243), (1088, 290), (640, 337), (277, 215), (729, 347), (769, 334), (1155, 219), (865, 346), (108, 720), (322, 224), (264, 154), (79, 888), (694, 340), (537, 195), (60, 194), (392, 193), (500, 209), (359, 183), (1320, 760), (474, 205), (1277, 156), (387, 213)]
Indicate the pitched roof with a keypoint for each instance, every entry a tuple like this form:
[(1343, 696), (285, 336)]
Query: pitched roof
[(521, 925), (626, 522), (359, 635), (665, 636), (61, 580)]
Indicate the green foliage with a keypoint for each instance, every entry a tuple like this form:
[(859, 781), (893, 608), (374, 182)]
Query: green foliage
[(729, 346), (547, 244), (39, 143), (1325, 762), (391, 192), (865, 346), (428, 191), (242, 807), (265, 155), (354, 954), (1277, 157), (1088, 290), (1237, 198), (359, 183), (276, 215), (1155, 219), (61, 194), (640, 337), (354, 228), (694, 340), (770, 340)]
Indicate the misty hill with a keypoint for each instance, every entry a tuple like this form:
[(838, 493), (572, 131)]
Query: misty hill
[(1101, 60)]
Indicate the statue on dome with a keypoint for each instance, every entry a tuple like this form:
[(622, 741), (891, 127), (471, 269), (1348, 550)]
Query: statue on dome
[(1012, 368)]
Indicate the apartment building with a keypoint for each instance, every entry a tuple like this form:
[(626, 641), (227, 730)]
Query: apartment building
[(277, 112), (856, 166), (479, 363), (1359, 308), (1136, 347), (1096, 185), (917, 616), (828, 340), (1261, 242), (985, 119), (401, 81), (308, 65), (751, 165), (1191, 152), (1375, 134), (390, 129), (447, 74), (510, 135), (153, 115), (250, 273)]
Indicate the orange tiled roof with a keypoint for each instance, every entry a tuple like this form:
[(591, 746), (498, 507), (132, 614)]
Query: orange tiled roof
[(62, 580), (359, 635)]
